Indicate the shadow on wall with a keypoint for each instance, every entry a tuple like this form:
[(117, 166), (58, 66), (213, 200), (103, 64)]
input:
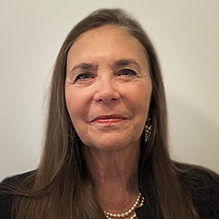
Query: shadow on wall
[(194, 137)]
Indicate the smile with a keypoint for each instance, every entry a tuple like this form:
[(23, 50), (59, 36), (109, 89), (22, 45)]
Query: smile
[(108, 119)]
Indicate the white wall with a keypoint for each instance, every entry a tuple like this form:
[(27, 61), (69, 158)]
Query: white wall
[(185, 34)]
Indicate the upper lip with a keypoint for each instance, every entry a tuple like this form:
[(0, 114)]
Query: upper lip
[(113, 116)]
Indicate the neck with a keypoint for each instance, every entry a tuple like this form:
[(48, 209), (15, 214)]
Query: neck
[(115, 176)]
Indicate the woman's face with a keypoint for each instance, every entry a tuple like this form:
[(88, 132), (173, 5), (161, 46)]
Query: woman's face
[(108, 88)]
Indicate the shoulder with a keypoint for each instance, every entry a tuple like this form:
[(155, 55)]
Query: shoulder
[(197, 176), (7, 186), (17, 179), (203, 187)]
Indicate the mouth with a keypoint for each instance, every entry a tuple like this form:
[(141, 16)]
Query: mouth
[(108, 119)]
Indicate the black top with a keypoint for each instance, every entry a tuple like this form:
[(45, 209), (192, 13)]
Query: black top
[(205, 196), (204, 191)]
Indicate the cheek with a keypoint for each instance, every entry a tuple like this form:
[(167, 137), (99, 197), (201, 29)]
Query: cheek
[(73, 105), (140, 96), (77, 103), (143, 104)]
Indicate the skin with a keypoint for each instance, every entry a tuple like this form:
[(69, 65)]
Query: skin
[(108, 90)]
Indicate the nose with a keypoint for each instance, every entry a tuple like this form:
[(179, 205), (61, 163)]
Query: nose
[(106, 91)]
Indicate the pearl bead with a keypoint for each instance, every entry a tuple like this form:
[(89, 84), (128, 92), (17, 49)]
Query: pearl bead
[(129, 212)]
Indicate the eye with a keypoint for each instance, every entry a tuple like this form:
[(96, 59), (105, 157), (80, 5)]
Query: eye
[(84, 76), (128, 72)]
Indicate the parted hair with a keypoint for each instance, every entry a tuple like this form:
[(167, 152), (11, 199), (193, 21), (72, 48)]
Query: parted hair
[(61, 187)]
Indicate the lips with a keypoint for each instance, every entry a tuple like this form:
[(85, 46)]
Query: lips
[(108, 119)]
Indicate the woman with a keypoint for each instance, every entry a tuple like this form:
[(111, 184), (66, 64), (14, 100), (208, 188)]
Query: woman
[(106, 151)]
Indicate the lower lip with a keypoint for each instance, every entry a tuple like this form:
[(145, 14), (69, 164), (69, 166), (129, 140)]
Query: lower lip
[(108, 121)]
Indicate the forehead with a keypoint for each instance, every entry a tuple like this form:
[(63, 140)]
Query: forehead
[(109, 42)]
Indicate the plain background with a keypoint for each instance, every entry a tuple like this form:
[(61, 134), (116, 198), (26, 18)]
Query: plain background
[(185, 34)]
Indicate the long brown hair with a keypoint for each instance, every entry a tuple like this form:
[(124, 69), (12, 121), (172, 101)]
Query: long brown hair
[(61, 186)]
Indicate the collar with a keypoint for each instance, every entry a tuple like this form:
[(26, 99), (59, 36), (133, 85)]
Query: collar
[(148, 210)]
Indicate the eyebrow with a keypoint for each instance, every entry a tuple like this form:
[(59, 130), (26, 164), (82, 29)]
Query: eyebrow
[(83, 66), (126, 62), (119, 63)]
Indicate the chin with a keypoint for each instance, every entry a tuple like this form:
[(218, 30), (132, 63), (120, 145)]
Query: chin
[(111, 144)]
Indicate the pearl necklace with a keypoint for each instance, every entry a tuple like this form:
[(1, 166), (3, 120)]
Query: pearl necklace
[(129, 212)]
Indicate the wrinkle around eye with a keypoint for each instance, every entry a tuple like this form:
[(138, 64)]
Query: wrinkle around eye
[(81, 78), (127, 75), (128, 72), (84, 78)]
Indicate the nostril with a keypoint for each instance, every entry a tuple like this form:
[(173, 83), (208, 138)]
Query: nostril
[(106, 94)]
